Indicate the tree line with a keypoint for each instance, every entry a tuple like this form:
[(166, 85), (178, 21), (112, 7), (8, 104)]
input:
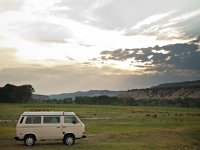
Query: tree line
[(16, 94), (105, 100)]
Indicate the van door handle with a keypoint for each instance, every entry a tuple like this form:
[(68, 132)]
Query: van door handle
[(58, 127)]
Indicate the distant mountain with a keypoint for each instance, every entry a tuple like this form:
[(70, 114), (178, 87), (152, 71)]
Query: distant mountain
[(40, 97), (90, 93), (189, 89), (178, 84)]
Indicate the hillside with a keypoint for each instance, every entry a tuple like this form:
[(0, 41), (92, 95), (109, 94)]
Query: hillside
[(190, 89)]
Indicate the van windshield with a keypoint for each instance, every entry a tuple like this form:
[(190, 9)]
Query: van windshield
[(71, 119)]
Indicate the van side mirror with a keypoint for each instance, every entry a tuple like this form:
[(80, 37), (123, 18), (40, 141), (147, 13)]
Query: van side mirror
[(74, 121)]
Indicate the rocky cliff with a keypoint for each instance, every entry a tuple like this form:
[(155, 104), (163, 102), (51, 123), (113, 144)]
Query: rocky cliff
[(164, 92)]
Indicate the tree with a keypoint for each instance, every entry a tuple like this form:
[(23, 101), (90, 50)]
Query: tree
[(12, 94)]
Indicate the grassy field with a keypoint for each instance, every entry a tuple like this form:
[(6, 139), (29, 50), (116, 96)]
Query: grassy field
[(113, 127)]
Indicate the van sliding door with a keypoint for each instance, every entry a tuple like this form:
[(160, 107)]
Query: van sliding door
[(51, 127)]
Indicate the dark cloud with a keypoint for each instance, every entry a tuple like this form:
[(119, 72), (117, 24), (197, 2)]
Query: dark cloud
[(118, 54), (197, 40), (183, 56), (168, 58)]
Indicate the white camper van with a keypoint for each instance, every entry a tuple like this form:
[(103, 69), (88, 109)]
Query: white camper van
[(35, 126)]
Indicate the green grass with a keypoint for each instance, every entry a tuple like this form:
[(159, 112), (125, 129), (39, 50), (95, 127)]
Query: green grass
[(113, 127)]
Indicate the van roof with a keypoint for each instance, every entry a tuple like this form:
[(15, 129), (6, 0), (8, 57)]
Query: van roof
[(47, 113)]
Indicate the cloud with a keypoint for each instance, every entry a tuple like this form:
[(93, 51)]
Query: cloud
[(159, 59), (169, 25), (87, 9), (44, 32), (38, 22), (45, 7), (34, 21), (183, 17), (152, 19)]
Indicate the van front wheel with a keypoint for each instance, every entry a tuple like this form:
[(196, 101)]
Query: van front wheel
[(29, 140), (69, 139)]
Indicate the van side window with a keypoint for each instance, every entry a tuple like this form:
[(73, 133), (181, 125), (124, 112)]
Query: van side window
[(71, 119), (51, 119), (33, 120), (21, 120)]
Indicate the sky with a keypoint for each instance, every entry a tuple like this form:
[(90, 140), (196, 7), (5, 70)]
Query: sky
[(62, 46)]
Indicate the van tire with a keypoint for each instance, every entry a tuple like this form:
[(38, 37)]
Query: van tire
[(29, 140), (69, 139)]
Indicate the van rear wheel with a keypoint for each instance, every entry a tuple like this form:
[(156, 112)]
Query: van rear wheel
[(69, 139), (29, 140)]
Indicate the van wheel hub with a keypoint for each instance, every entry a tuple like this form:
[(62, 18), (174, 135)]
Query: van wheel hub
[(29, 141), (69, 140)]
